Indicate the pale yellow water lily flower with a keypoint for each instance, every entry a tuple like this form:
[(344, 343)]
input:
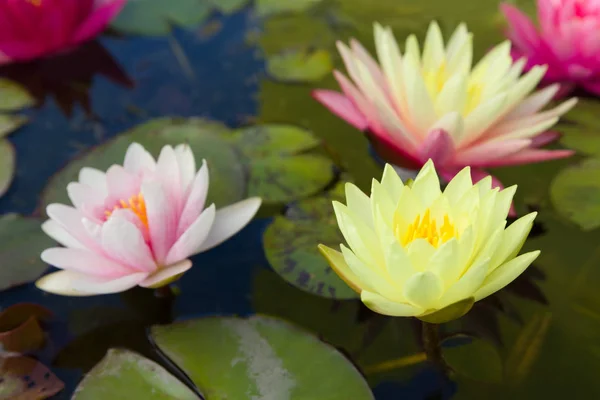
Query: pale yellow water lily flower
[(415, 250)]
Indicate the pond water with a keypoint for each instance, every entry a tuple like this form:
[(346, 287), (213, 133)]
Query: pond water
[(544, 328)]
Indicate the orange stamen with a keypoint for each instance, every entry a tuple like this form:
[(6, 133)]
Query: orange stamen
[(136, 204)]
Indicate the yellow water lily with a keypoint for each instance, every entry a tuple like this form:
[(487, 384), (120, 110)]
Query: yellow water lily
[(415, 250)]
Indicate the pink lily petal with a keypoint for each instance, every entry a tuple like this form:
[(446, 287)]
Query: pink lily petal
[(531, 156), (484, 154), (84, 261), (544, 138), (161, 220), (229, 221), (187, 167), (193, 237), (121, 184), (592, 87), (71, 283), (125, 244), (341, 106), (521, 30), (195, 201), (98, 20), (166, 275), (167, 171), (438, 146), (58, 233), (70, 220), (95, 179), (138, 159)]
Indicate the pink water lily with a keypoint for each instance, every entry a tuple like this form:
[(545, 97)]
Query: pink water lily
[(31, 29), (136, 224), (434, 104), (567, 41)]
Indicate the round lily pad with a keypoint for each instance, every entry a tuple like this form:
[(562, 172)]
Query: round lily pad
[(21, 242), (125, 375), (291, 241), (259, 358), (7, 165), (478, 360), (227, 174), (283, 179), (229, 6), (274, 139), (300, 66), (157, 17), (14, 96), (575, 193)]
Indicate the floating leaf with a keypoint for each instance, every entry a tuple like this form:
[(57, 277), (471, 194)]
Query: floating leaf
[(284, 179), (157, 17), (269, 7), (227, 177), (259, 357), (575, 193), (526, 349), (477, 360), (21, 242), (14, 96), (10, 123), (582, 139), (270, 140), (229, 6), (123, 374), (20, 330), (23, 378), (300, 66), (291, 241), (7, 165)]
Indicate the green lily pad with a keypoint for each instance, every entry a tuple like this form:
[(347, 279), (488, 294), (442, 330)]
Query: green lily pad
[(229, 6), (260, 141), (259, 357), (575, 193), (478, 360), (7, 165), (157, 17), (123, 374), (227, 175), (269, 7), (300, 66), (283, 179), (10, 123), (21, 242), (291, 241), (14, 96)]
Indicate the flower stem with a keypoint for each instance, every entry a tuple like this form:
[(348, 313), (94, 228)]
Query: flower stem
[(432, 345), (164, 292)]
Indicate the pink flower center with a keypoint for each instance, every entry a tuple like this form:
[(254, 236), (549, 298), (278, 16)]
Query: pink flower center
[(136, 204)]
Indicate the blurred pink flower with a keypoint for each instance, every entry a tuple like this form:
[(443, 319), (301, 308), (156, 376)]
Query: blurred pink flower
[(435, 105), (136, 224), (31, 29), (567, 41)]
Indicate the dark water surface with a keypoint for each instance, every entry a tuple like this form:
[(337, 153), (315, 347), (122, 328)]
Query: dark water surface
[(222, 78)]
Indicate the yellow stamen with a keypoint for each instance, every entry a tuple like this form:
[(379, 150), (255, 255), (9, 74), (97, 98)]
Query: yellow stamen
[(36, 3), (136, 204), (426, 228)]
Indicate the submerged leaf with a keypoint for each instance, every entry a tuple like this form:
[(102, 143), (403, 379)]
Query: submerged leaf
[(259, 357), (478, 360), (157, 17), (20, 330), (300, 66), (123, 374), (229, 6), (269, 7), (273, 139), (575, 193), (21, 242)]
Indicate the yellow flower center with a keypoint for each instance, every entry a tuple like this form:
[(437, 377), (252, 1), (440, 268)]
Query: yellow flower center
[(136, 204), (36, 3), (426, 228)]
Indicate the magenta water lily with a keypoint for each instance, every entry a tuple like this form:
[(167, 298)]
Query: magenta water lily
[(136, 224), (30, 29), (434, 105), (566, 41)]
